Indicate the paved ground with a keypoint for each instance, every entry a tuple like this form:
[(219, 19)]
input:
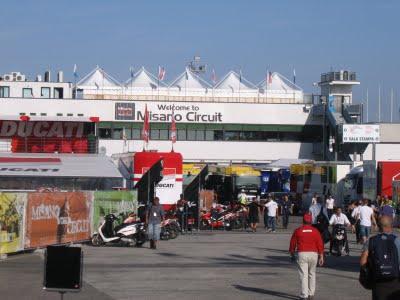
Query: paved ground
[(234, 265)]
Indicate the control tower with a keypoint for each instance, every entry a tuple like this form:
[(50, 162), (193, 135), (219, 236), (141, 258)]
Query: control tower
[(336, 109)]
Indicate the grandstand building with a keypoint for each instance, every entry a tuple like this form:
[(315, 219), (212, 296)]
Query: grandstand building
[(232, 120)]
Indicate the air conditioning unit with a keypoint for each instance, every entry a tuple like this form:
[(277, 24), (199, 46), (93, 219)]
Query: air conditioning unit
[(14, 76)]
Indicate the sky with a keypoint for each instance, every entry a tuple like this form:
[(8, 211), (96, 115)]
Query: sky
[(310, 36)]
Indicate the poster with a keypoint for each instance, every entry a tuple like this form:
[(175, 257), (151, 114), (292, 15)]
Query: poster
[(115, 202), (12, 212), (57, 218)]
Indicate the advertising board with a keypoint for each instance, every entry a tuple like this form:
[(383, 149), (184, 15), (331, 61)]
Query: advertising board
[(115, 202), (356, 133), (12, 212), (57, 218)]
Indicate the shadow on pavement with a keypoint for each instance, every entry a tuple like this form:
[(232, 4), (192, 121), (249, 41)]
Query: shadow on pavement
[(265, 292)]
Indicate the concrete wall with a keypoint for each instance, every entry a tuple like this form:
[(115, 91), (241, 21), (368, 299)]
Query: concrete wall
[(383, 152)]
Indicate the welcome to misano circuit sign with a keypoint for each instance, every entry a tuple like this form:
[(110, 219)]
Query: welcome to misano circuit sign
[(219, 113)]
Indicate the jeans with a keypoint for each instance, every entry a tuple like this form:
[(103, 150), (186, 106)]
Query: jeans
[(365, 231), (153, 231), (285, 220), (271, 223), (307, 265)]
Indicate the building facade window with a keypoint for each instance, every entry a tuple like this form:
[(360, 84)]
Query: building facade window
[(45, 92), (4, 91), (27, 93), (268, 133)]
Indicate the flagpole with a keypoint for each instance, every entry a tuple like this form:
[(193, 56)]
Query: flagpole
[(379, 103), (367, 107), (391, 106)]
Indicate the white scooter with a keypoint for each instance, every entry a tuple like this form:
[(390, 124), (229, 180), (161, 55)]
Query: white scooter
[(131, 234)]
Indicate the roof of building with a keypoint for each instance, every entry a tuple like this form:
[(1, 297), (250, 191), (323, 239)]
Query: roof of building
[(278, 82), (189, 80), (143, 79), (234, 81), (57, 165), (99, 78)]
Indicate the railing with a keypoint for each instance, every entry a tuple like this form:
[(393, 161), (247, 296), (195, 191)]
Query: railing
[(339, 76)]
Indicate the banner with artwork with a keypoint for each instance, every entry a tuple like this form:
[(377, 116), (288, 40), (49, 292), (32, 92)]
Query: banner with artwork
[(12, 212), (57, 218), (116, 202)]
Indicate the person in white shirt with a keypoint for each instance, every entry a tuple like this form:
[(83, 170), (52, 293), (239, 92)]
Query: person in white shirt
[(339, 218), (367, 218), (355, 214), (272, 207), (330, 204)]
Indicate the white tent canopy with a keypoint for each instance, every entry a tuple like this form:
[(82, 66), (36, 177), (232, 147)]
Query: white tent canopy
[(99, 78), (189, 80), (233, 81), (143, 79), (278, 82)]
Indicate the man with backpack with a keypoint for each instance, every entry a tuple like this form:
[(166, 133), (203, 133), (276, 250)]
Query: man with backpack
[(380, 257)]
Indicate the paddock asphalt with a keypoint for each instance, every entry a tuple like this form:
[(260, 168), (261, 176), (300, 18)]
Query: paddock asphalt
[(205, 265)]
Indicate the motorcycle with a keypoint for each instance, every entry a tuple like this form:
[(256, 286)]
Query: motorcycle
[(221, 221), (170, 229), (339, 239), (131, 234)]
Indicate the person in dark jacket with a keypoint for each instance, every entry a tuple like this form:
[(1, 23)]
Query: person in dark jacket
[(286, 208)]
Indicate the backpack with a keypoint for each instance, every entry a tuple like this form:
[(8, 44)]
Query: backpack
[(383, 258)]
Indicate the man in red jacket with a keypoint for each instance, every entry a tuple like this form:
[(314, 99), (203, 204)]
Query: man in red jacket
[(307, 241)]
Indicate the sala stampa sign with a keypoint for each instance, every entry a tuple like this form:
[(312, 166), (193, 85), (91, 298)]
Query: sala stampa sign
[(361, 133)]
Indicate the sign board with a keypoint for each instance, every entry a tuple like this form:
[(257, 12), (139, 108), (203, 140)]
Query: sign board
[(360, 133), (42, 129), (124, 111)]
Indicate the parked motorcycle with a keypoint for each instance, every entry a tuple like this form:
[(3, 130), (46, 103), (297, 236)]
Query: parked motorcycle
[(170, 229), (131, 234), (221, 221)]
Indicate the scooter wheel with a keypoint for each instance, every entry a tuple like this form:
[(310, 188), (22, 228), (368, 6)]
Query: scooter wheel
[(96, 240)]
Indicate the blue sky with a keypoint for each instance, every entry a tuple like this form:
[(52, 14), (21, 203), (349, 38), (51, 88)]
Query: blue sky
[(311, 36)]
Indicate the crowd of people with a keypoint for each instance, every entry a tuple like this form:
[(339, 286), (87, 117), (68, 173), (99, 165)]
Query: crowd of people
[(379, 262)]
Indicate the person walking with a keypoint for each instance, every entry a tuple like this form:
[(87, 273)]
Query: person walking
[(253, 214), (306, 240), (330, 205), (272, 208), (286, 207), (154, 216), (367, 218), (181, 211), (380, 256), (355, 214)]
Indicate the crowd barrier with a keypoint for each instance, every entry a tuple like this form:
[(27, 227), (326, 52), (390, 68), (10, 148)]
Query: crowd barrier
[(33, 220)]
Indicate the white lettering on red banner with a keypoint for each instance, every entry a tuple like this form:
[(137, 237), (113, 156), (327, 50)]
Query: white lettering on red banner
[(41, 129)]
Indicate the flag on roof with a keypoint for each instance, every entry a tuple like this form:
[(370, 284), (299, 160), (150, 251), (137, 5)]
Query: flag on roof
[(75, 71), (213, 76), (294, 76), (240, 75), (161, 73), (131, 71), (269, 77)]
